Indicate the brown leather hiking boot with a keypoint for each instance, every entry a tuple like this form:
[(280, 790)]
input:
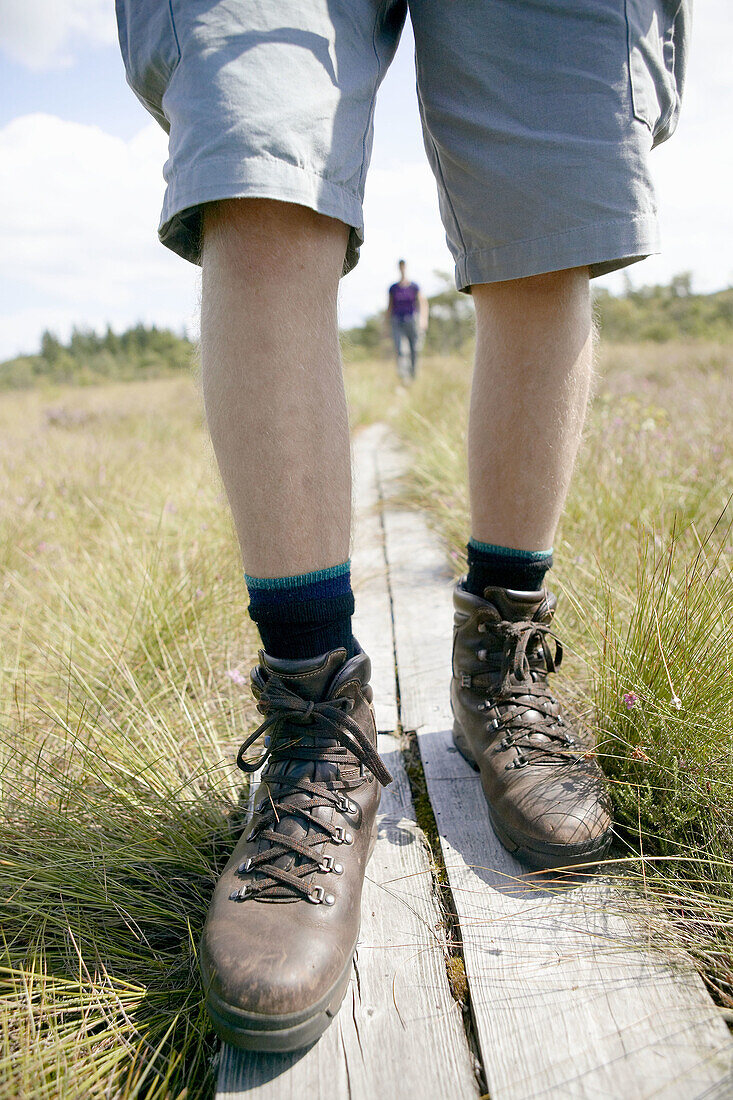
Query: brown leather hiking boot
[(284, 918), (545, 793)]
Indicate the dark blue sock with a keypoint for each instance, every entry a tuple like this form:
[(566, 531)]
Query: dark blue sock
[(304, 615), (492, 566)]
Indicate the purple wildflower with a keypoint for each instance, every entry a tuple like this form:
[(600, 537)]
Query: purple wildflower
[(630, 699)]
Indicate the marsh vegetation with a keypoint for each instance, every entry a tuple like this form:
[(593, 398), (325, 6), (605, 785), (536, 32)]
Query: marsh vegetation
[(123, 684)]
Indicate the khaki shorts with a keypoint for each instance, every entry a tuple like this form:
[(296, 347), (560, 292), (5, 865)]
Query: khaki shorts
[(538, 116)]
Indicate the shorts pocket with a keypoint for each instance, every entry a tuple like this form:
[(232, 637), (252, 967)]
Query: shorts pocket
[(657, 32), (150, 49)]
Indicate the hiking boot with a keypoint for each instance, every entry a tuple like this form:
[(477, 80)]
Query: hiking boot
[(545, 792), (281, 931)]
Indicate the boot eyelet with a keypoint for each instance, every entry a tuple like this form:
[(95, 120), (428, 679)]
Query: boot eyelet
[(494, 724), (521, 762), (328, 864), (560, 720), (346, 806), (318, 896), (245, 867), (482, 628), (482, 654), (342, 837), (238, 895)]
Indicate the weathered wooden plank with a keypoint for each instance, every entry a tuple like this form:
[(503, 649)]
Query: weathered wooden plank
[(373, 619), (423, 630), (399, 1033), (569, 998)]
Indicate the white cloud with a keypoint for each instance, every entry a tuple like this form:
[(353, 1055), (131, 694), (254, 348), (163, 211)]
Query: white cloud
[(41, 33), (79, 233), (78, 226), (401, 222)]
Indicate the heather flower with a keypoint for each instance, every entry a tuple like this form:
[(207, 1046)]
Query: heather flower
[(630, 699), (236, 676)]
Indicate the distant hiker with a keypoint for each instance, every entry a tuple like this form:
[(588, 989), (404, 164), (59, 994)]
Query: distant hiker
[(407, 310), (539, 119)]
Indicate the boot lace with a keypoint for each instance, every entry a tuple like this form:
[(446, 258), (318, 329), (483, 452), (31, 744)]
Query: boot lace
[(523, 688), (300, 729)]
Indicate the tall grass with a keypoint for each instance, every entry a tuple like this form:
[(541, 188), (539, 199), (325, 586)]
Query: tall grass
[(644, 561), (125, 647)]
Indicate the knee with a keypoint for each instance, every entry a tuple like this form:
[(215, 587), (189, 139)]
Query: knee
[(273, 239)]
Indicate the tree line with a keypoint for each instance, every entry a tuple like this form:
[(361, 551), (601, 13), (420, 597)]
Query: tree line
[(144, 351), (652, 313)]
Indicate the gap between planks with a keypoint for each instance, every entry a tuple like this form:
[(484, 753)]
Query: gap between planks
[(399, 1034), (569, 999)]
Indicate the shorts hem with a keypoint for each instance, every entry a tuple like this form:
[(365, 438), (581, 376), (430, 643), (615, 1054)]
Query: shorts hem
[(602, 247), (256, 177)]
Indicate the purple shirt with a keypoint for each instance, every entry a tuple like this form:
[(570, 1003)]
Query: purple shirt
[(404, 299)]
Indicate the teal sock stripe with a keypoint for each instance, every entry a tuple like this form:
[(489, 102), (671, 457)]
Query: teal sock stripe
[(299, 580), (509, 552)]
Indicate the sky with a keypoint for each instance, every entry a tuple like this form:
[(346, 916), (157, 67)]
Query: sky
[(81, 183)]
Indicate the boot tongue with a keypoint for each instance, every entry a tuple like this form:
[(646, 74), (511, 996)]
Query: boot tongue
[(311, 678), (515, 606)]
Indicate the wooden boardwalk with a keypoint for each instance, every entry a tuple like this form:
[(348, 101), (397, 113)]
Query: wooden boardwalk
[(567, 999)]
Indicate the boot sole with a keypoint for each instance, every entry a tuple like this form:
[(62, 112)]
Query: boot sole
[(540, 855), (279, 1034), (276, 1034)]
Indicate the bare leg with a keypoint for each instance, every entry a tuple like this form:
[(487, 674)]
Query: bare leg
[(528, 402), (273, 383), (533, 369)]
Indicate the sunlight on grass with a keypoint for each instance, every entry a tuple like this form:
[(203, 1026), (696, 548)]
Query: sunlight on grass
[(643, 560), (125, 642), (125, 651)]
